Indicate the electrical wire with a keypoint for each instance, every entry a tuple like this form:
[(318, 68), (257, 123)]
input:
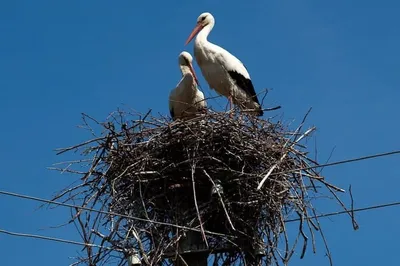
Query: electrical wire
[(146, 220), (349, 211), (362, 158), (66, 241), (12, 194), (54, 239)]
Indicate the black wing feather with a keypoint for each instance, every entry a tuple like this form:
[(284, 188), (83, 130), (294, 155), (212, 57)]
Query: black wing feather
[(244, 84)]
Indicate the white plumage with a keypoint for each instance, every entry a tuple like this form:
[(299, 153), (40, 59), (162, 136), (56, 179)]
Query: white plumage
[(185, 101), (222, 70)]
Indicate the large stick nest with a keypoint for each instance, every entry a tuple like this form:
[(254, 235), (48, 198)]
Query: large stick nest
[(214, 184)]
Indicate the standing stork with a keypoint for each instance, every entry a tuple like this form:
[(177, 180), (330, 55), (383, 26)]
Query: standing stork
[(185, 101), (222, 70)]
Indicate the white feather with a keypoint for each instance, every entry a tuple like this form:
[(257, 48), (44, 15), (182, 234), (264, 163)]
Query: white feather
[(216, 63), (185, 101)]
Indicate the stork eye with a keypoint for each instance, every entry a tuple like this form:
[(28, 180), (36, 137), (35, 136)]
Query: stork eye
[(203, 18)]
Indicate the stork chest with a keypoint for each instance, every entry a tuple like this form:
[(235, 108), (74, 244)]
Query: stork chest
[(210, 66)]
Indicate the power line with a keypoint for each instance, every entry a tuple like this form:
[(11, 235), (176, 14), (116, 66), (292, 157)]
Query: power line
[(54, 239), (188, 228), (100, 211), (60, 240), (343, 161), (145, 220), (349, 211), (358, 159)]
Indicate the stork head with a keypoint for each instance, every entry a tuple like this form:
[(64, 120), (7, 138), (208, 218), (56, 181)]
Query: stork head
[(203, 20), (185, 60)]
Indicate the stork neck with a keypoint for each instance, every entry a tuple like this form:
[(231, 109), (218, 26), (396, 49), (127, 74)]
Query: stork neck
[(185, 70), (203, 34)]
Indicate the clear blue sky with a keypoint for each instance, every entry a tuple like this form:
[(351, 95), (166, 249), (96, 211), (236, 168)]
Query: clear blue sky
[(61, 58)]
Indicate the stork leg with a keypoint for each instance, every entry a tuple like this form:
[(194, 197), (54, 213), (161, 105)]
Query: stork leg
[(230, 105)]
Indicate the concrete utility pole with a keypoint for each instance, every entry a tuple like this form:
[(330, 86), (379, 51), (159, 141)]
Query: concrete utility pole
[(192, 243)]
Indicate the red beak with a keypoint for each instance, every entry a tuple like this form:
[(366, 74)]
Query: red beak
[(194, 74), (196, 30)]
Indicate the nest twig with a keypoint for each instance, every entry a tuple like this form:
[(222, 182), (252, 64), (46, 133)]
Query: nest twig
[(225, 184)]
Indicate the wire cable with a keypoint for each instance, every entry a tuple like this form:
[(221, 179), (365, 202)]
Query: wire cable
[(362, 158), (60, 240), (12, 194), (54, 239), (141, 219), (385, 205), (145, 220), (183, 227)]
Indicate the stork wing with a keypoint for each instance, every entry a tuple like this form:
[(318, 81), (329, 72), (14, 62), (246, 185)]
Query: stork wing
[(170, 103), (237, 72), (186, 80)]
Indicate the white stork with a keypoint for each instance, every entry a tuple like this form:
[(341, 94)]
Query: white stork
[(222, 70), (185, 101)]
